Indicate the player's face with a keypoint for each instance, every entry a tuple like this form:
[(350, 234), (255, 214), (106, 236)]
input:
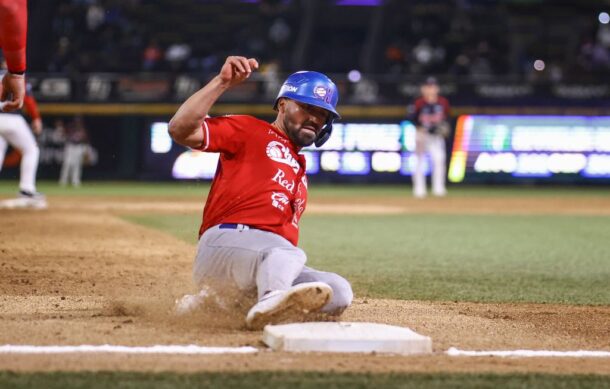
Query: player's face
[(429, 92), (302, 122)]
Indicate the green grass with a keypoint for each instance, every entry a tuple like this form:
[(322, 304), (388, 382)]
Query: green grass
[(354, 191), (296, 380), (491, 258)]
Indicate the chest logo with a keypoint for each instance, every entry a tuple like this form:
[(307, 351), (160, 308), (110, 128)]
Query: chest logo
[(278, 152), (279, 200)]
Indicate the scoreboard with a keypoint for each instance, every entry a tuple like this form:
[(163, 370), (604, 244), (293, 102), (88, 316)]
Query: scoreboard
[(486, 148), (550, 148), (353, 150)]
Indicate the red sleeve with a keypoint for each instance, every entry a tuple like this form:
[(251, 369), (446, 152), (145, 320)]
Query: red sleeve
[(418, 104), (223, 134), (31, 107), (446, 107), (13, 33)]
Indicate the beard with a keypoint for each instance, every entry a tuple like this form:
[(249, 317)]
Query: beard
[(306, 137), (302, 137)]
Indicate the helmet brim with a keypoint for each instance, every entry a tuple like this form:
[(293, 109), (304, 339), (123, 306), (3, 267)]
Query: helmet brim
[(311, 101)]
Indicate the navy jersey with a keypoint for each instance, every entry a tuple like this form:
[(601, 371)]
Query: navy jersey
[(429, 115)]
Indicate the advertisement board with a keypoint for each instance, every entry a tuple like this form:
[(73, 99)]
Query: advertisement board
[(546, 148)]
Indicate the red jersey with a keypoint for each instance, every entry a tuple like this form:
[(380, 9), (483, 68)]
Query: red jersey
[(260, 179), (13, 33), (428, 115)]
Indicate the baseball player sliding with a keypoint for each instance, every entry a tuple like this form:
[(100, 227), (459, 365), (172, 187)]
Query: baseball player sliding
[(248, 238)]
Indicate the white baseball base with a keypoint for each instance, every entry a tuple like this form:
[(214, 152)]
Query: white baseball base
[(346, 337)]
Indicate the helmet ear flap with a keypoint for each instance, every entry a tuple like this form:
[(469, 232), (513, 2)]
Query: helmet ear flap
[(324, 134)]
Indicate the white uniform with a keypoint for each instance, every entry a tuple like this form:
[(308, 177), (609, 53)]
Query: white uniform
[(15, 131), (72, 166), (434, 146), (431, 120), (74, 153)]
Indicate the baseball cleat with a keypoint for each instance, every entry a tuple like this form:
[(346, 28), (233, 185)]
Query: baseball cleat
[(290, 305), (33, 200)]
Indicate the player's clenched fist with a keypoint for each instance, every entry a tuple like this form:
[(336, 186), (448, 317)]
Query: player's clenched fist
[(13, 88), (237, 69), (185, 126)]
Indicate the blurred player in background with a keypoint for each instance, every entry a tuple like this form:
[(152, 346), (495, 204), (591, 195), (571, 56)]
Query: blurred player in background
[(13, 34), (14, 131), (431, 119), (75, 151), (248, 238)]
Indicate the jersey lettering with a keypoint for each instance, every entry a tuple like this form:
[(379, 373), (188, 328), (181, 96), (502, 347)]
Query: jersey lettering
[(265, 197), (298, 207), (284, 183)]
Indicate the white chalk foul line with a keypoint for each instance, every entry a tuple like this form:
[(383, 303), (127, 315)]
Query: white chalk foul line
[(202, 350), (454, 352), (107, 348)]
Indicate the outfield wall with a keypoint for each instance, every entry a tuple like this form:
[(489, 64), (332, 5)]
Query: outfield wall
[(374, 144)]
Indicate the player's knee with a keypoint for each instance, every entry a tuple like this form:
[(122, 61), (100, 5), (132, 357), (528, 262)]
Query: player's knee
[(342, 296), (32, 150), (298, 256)]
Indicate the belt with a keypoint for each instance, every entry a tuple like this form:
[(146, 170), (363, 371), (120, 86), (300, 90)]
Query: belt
[(234, 226)]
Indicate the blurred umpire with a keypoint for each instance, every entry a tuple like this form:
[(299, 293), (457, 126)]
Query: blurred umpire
[(430, 115)]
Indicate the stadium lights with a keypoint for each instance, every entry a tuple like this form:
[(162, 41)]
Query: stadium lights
[(354, 76), (539, 65)]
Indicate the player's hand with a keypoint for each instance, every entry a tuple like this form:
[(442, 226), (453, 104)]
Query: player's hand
[(13, 85), (37, 126), (237, 69)]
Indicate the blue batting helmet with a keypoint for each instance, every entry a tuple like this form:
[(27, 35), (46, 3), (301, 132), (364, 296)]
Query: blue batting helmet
[(316, 89)]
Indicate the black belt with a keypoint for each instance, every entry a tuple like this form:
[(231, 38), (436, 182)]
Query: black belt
[(234, 226)]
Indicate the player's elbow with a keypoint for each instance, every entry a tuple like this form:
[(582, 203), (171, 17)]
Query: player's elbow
[(178, 130)]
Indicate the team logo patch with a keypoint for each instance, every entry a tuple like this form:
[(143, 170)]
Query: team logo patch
[(279, 200), (320, 91), (278, 152)]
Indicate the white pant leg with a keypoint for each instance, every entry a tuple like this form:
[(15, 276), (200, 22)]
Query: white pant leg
[(79, 154), (16, 132), (419, 177), (73, 156), (436, 147), (3, 147), (65, 166)]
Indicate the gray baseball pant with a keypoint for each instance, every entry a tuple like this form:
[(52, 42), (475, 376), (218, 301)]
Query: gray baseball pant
[(248, 258)]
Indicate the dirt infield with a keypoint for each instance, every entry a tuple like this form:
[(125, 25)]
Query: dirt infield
[(79, 274)]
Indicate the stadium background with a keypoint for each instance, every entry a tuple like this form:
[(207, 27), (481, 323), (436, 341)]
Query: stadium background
[(124, 69), (490, 267)]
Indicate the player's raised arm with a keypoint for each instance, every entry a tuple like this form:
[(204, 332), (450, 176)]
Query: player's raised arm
[(13, 32), (185, 126)]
